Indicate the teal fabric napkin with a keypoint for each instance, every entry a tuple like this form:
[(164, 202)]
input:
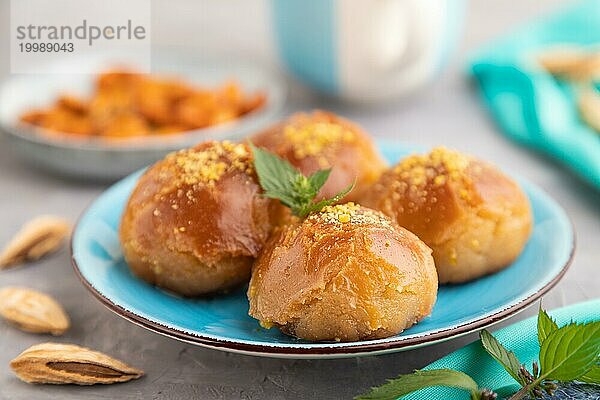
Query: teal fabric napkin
[(529, 105), (520, 338)]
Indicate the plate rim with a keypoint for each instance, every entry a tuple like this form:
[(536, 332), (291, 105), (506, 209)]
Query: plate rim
[(322, 352), (351, 349)]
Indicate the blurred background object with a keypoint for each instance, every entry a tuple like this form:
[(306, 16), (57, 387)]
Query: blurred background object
[(135, 138), (366, 51), (539, 83)]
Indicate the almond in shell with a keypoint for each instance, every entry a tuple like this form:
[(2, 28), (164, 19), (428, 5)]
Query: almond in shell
[(589, 108), (56, 363), (37, 238), (32, 311), (571, 63)]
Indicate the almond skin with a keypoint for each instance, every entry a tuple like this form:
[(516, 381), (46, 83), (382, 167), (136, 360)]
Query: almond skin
[(33, 311), (589, 108), (37, 238), (571, 62), (56, 363)]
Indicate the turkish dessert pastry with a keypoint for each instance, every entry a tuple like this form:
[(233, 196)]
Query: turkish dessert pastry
[(321, 140), (209, 218), (475, 218), (196, 221), (345, 273)]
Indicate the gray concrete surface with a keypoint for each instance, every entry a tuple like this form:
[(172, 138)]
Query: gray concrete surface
[(445, 113)]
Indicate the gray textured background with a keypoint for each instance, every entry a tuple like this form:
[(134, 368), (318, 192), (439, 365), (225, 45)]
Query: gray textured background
[(446, 113)]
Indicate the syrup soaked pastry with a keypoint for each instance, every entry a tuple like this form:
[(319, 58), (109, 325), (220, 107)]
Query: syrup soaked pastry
[(196, 220), (322, 140), (475, 218), (346, 273)]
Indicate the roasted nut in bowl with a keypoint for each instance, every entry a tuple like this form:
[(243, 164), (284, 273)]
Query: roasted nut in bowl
[(126, 104), (106, 149)]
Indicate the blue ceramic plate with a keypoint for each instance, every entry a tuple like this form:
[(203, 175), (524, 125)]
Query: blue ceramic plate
[(222, 322)]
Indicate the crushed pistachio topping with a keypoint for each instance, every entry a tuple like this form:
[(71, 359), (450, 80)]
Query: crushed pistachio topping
[(341, 214), (418, 173), (266, 324), (441, 165), (453, 257), (343, 218), (208, 165), (313, 138)]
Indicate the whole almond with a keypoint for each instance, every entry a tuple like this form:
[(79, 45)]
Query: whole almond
[(571, 63), (66, 363), (37, 238), (32, 311), (589, 108)]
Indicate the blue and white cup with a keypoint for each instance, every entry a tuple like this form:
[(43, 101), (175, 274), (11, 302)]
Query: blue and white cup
[(366, 50)]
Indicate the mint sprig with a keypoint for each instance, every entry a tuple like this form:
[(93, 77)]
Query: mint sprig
[(568, 353), (280, 180), (418, 380), (545, 324), (592, 376), (504, 357)]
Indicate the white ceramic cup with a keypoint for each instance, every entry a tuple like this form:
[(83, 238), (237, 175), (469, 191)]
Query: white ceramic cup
[(366, 50)]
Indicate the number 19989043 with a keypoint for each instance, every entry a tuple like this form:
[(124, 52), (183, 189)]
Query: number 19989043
[(46, 47)]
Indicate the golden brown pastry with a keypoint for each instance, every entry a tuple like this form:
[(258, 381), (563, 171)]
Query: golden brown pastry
[(475, 218), (346, 273), (196, 220), (323, 140)]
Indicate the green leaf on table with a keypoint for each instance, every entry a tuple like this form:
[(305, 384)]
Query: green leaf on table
[(592, 376), (545, 325), (280, 180), (570, 352), (506, 358), (405, 384)]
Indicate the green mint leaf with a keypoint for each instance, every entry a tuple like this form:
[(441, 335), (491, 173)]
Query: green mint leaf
[(570, 352), (318, 206), (504, 357), (318, 179), (286, 200), (274, 174), (592, 376), (280, 180), (303, 191), (405, 384), (545, 325)]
